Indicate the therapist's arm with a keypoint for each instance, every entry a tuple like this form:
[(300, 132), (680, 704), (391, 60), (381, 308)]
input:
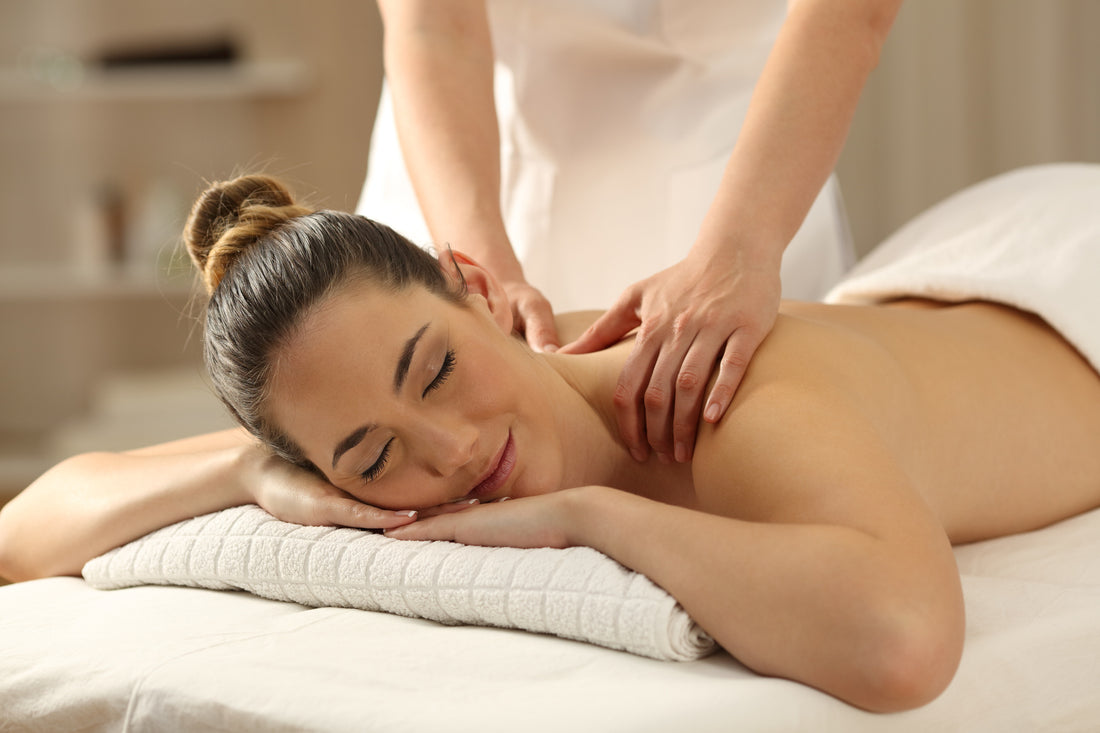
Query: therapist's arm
[(439, 67), (715, 307)]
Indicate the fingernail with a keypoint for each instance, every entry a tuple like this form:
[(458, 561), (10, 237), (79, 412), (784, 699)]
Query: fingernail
[(639, 455), (472, 501), (406, 513), (503, 498), (712, 412), (549, 348), (681, 452)]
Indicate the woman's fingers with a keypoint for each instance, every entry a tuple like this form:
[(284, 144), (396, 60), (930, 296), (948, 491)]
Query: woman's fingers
[(539, 521), (451, 508), (295, 495), (347, 511)]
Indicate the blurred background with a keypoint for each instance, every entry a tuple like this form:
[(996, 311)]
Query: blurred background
[(113, 114)]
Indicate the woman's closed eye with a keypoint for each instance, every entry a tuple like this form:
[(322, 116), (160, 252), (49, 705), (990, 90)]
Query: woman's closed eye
[(445, 370), (379, 465)]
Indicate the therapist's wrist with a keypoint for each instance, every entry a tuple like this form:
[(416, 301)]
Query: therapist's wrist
[(740, 253), (498, 257)]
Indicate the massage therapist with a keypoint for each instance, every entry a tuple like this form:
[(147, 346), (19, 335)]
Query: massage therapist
[(694, 139)]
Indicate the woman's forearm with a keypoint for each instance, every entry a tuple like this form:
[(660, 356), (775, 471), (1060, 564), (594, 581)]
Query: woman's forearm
[(439, 66), (94, 502), (798, 120), (875, 623)]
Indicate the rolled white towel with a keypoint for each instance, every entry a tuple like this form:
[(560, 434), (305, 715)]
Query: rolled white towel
[(1029, 238), (576, 593)]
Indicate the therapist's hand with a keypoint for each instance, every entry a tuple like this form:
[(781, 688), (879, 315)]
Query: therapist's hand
[(696, 315), (532, 315)]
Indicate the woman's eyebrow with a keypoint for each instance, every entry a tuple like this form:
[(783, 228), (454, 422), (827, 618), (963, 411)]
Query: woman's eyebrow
[(350, 442), (406, 359), (399, 376)]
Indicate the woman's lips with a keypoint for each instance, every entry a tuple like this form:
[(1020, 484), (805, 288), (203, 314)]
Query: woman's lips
[(502, 469)]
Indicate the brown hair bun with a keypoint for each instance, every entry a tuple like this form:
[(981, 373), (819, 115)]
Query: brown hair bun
[(231, 216)]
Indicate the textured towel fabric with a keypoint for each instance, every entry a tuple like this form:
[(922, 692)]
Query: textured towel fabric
[(1029, 239), (577, 593)]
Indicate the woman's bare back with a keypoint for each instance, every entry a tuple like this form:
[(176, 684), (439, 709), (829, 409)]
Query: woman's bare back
[(992, 415)]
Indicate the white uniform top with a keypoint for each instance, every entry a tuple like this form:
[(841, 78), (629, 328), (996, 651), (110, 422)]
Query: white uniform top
[(617, 118)]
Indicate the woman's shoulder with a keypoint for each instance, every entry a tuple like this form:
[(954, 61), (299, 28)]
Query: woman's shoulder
[(573, 323), (804, 429)]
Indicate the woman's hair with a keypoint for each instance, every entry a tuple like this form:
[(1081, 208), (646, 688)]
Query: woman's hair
[(266, 261)]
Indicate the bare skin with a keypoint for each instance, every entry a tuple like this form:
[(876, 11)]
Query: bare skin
[(707, 313), (810, 534), (991, 414)]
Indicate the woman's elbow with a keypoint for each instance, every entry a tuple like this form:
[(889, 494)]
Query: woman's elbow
[(911, 658), (13, 563), (29, 546), (8, 571)]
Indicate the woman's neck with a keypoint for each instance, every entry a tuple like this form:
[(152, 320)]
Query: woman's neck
[(589, 428)]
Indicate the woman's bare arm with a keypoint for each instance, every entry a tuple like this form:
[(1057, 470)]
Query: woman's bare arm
[(816, 559), (94, 502), (810, 557)]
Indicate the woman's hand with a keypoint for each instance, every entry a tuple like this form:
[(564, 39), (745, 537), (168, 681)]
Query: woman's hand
[(549, 520), (691, 316), (295, 495)]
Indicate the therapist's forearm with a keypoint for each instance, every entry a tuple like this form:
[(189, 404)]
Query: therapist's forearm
[(798, 120), (439, 65)]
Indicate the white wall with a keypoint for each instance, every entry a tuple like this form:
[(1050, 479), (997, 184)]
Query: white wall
[(967, 89), (66, 322)]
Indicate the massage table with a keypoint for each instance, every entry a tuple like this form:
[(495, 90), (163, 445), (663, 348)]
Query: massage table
[(152, 658), (170, 658)]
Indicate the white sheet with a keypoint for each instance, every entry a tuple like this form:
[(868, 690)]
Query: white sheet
[(180, 659)]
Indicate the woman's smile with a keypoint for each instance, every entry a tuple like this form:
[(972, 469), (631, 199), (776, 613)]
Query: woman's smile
[(500, 469)]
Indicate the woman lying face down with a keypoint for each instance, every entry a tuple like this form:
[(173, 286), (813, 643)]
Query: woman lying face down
[(810, 534)]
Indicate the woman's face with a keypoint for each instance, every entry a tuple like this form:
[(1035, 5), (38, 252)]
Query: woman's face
[(408, 401)]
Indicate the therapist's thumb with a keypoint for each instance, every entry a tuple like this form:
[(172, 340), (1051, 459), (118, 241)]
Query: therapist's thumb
[(608, 329)]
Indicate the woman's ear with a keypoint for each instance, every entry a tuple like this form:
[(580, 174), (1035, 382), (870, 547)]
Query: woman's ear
[(462, 269)]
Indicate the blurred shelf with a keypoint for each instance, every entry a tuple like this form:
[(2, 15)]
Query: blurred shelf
[(246, 80), (37, 283)]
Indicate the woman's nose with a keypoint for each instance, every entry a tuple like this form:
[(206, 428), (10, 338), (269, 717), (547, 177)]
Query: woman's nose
[(449, 446)]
